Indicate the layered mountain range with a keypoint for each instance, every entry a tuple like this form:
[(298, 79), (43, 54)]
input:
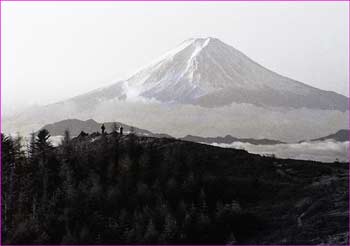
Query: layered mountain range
[(75, 127), (330, 148)]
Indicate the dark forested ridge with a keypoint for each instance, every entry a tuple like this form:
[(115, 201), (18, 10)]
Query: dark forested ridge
[(75, 126), (113, 189)]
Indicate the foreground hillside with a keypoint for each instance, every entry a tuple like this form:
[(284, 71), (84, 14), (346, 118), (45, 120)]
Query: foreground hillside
[(112, 189)]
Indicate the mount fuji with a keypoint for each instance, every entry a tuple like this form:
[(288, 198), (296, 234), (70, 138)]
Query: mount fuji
[(210, 73), (203, 87)]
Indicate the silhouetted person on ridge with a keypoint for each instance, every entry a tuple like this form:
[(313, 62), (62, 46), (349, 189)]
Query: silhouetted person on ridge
[(121, 130), (103, 128)]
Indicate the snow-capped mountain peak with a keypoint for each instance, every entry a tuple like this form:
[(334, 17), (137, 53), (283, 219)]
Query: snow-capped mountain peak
[(210, 73), (184, 72)]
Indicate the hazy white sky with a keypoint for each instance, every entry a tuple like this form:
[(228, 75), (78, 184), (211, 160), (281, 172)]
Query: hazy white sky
[(55, 50)]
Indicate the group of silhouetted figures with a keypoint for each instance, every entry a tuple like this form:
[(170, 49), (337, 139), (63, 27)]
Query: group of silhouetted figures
[(103, 128), (103, 131)]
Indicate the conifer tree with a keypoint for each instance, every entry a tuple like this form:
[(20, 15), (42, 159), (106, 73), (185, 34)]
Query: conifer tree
[(151, 235), (169, 230)]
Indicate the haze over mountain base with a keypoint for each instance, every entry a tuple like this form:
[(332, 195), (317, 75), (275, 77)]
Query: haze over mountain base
[(178, 120)]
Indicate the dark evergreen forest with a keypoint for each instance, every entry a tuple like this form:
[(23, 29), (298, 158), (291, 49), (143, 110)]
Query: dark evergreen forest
[(114, 189)]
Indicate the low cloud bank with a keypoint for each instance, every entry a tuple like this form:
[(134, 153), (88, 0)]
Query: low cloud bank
[(325, 151), (238, 120)]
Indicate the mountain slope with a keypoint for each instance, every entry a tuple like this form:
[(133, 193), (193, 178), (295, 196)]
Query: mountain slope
[(210, 73)]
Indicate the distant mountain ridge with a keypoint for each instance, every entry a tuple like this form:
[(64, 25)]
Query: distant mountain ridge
[(228, 139), (340, 136), (75, 126)]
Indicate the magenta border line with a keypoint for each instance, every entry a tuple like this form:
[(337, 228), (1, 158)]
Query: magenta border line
[(174, 244), (349, 116), (174, 0), (163, 1), (1, 141)]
